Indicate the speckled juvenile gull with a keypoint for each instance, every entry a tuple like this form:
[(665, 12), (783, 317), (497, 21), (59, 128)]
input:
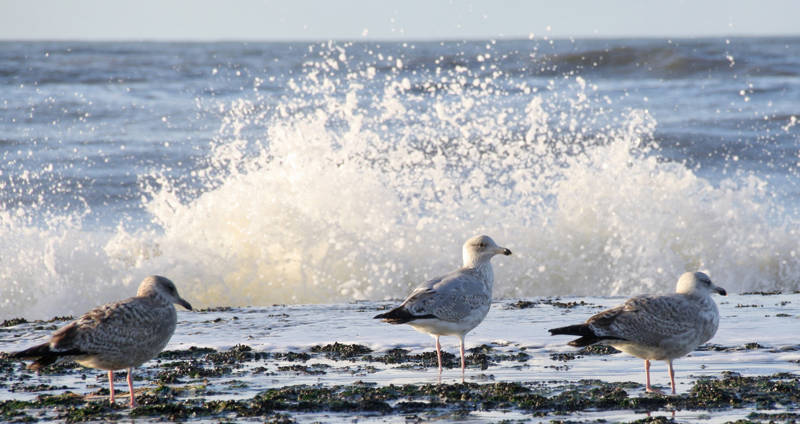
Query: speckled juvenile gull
[(453, 304), (118, 335), (656, 327)]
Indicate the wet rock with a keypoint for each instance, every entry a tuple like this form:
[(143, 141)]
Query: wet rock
[(734, 390), (300, 369), (786, 417), (292, 356), (763, 293), (21, 387), (564, 305), (522, 304), (598, 349), (340, 351), (563, 357), (216, 309), (173, 371), (235, 356), (193, 352), (753, 346), (14, 321), (93, 411), (719, 348), (392, 356), (654, 420), (61, 368), (279, 404)]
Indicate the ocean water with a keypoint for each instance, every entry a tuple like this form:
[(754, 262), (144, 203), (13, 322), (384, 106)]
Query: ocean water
[(255, 174)]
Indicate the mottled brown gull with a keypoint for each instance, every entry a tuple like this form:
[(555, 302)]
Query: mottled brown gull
[(453, 304), (656, 327), (118, 335)]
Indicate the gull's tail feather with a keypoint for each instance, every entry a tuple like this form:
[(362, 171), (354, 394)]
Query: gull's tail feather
[(588, 337), (400, 315), (573, 330), (43, 355)]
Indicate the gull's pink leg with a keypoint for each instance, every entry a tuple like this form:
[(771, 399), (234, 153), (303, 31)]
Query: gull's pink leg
[(439, 353), (647, 386), (111, 387), (671, 375), (463, 363), (130, 387)]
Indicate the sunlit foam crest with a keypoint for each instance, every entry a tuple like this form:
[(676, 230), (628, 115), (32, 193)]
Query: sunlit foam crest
[(353, 199)]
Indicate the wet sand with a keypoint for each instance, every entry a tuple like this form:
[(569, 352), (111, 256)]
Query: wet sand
[(391, 377)]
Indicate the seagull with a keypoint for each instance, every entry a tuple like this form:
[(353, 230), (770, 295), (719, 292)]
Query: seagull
[(453, 304), (123, 334), (656, 327)]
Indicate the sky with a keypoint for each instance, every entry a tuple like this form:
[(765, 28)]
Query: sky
[(281, 20)]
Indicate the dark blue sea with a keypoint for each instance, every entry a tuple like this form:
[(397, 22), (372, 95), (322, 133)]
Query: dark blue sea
[(264, 173)]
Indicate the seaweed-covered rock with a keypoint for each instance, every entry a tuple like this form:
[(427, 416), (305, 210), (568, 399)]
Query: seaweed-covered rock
[(193, 352), (12, 322), (341, 350)]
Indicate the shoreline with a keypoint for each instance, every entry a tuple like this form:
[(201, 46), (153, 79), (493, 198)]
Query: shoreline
[(333, 363), (186, 381)]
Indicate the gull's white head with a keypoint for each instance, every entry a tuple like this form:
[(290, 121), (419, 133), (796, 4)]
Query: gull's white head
[(156, 285), (480, 249), (697, 283)]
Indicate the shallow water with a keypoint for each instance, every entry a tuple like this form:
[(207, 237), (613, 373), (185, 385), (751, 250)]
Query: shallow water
[(757, 337)]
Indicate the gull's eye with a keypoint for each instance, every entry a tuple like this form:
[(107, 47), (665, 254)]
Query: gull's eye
[(481, 245)]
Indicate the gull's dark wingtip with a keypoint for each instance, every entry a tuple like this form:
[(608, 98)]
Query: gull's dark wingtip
[(400, 315)]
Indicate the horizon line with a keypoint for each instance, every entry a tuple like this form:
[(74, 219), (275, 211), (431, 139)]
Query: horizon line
[(394, 40)]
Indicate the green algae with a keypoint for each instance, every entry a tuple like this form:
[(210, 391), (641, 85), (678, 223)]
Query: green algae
[(598, 349), (61, 368), (316, 369), (339, 351), (653, 420), (786, 417), (12, 322), (22, 387), (168, 401), (712, 347), (554, 302), (68, 407), (234, 356), (522, 304), (564, 305), (481, 357), (541, 399), (14, 411), (173, 371), (193, 352), (90, 412), (292, 356), (735, 390)]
